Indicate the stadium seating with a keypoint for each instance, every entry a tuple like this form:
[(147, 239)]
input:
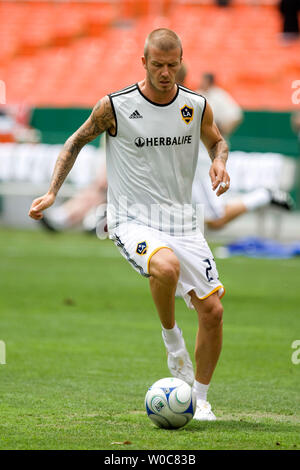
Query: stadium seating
[(67, 54)]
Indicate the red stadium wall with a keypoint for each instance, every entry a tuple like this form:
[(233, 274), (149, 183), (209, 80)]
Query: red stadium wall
[(71, 54)]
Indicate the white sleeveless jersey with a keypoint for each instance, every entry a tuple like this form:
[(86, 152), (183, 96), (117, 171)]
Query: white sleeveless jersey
[(151, 160)]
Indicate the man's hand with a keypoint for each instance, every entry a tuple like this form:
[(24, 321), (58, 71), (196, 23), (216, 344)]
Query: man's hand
[(219, 177), (40, 204)]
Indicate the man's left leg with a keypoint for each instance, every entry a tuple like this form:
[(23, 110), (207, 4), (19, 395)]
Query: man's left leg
[(207, 349)]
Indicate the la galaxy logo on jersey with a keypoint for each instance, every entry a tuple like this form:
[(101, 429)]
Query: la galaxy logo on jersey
[(187, 113), (141, 248)]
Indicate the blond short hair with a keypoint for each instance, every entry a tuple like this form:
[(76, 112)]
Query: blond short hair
[(163, 39)]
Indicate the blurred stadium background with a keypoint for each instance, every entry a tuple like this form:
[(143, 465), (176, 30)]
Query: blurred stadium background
[(57, 58)]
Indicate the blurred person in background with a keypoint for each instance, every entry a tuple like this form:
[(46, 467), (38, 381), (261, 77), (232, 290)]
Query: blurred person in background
[(295, 123), (7, 124), (223, 3), (14, 125), (81, 210), (219, 211), (290, 23), (228, 114)]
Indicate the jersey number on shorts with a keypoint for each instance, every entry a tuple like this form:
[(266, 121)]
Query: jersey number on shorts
[(208, 269)]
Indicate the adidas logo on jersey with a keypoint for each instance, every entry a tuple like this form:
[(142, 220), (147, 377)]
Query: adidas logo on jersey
[(135, 115)]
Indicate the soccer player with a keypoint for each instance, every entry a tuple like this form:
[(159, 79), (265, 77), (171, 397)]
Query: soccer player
[(218, 212), (152, 141)]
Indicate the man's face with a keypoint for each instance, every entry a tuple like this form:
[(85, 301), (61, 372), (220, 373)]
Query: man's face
[(162, 67)]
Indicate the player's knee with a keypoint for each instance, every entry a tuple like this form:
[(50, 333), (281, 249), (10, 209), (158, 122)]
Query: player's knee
[(166, 268), (170, 271), (213, 316)]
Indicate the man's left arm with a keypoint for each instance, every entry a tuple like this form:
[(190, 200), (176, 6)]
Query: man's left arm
[(218, 151)]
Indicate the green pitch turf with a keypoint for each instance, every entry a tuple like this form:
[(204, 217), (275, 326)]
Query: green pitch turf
[(83, 344)]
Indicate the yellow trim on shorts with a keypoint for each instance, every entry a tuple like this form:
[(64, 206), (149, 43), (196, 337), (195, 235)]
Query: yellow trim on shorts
[(212, 292), (153, 253)]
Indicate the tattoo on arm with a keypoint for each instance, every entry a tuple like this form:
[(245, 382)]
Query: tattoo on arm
[(215, 144), (219, 150), (100, 120)]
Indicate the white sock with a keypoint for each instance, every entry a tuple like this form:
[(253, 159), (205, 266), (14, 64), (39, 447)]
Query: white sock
[(201, 390), (173, 338), (59, 217), (257, 198)]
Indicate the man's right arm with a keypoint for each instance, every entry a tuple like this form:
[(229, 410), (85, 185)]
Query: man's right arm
[(100, 120)]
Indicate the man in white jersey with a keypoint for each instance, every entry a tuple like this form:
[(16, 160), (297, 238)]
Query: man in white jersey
[(153, 130)]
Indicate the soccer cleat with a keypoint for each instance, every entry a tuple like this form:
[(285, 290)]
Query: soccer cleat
[(180, 364), (282, 199), (203, 411)]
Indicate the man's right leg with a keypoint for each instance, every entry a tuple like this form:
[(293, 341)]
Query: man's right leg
[(164, 270)]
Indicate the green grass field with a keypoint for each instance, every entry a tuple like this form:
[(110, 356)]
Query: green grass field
[(83, 344)]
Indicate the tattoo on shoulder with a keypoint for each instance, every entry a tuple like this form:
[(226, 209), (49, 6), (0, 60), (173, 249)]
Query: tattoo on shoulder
[(100, 120), (102, 115)]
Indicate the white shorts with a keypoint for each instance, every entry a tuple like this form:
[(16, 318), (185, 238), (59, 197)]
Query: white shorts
[(198, 271)]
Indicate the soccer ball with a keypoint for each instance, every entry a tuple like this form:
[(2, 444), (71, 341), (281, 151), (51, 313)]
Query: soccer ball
[(170, 403)]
